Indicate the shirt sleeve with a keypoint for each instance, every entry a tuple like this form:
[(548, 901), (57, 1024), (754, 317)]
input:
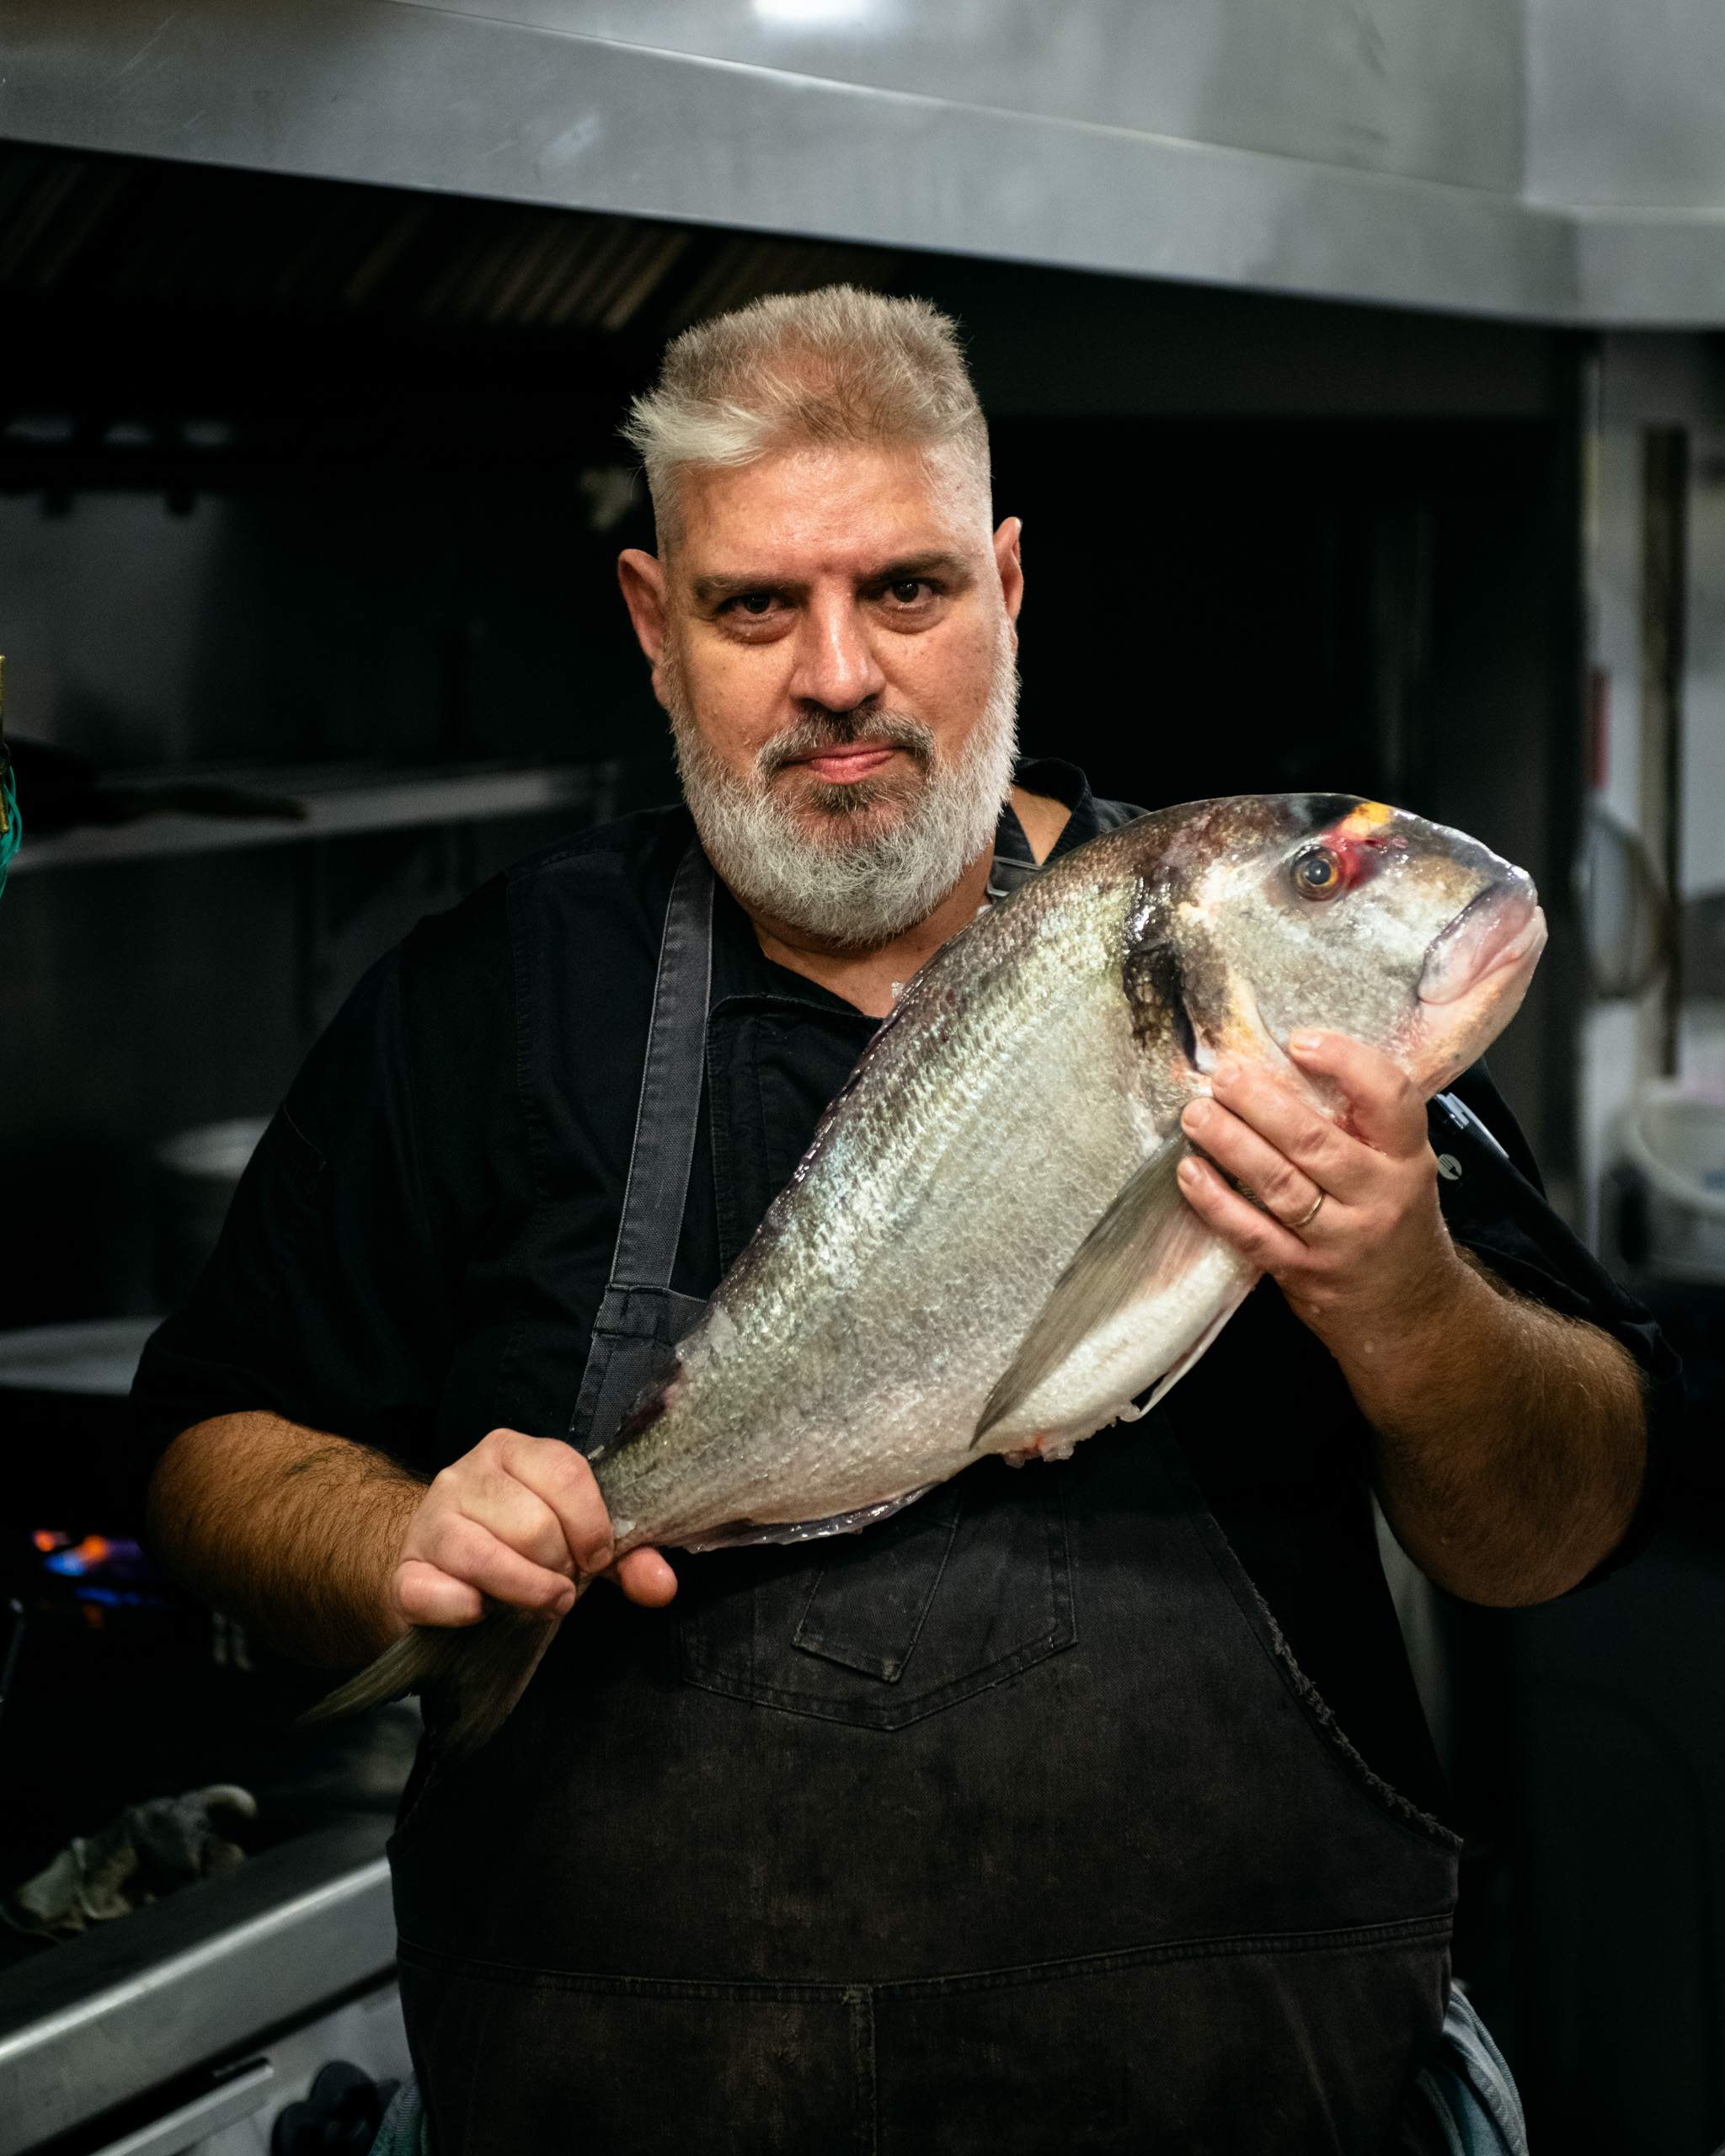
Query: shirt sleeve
[(1495, 1206), (326, 1298)]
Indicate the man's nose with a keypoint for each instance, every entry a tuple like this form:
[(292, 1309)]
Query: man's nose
[(836, 666)]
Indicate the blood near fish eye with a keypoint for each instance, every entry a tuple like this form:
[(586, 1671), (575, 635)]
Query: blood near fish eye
[(1317, 873)]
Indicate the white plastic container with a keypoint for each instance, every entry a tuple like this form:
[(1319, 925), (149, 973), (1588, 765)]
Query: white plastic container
[(1676, 1136)]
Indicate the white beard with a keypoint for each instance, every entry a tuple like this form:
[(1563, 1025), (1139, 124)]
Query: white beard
[(867, 876)]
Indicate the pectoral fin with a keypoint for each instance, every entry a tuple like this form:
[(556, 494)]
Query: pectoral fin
[(1146, 1239), (742, 1533)]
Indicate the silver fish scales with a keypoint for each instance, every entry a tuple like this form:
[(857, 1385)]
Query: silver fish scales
[(985, 1248)]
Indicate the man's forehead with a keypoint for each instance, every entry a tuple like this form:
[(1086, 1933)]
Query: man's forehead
[(810, 511)]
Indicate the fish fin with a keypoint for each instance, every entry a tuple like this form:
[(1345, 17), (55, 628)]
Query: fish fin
[(1200, 1347), (655, 1400), (480, 1671), (1147, 1238), (741, 1534)]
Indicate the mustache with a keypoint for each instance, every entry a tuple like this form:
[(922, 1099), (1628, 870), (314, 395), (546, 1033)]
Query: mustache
[(812, 736)]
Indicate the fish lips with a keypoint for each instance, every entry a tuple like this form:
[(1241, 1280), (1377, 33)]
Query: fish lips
[(1501, 930)]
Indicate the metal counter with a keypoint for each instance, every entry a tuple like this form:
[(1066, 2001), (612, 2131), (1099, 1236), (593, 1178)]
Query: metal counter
[(99, 2021)]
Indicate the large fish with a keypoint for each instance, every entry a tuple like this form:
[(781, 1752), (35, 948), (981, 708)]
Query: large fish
[(985, 1248)]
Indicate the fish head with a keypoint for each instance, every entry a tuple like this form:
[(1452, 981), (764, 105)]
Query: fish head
[(1274, 913)]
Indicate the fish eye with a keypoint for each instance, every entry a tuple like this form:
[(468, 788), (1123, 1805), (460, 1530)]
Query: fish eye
[(1317, 873)]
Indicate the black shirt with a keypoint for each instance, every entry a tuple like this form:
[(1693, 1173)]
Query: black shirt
[(419, 1248)]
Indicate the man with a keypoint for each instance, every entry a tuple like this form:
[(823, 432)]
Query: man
[(1083, 1808)]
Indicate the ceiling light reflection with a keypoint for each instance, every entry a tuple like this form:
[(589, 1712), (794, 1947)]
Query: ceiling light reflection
[(817, 14)]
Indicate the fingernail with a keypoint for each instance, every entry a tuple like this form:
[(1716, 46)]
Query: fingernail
[(1189, 1171), (1304, 1043), (1198, 1112), (563, 1603), (598, 1559), (1225, 1072)]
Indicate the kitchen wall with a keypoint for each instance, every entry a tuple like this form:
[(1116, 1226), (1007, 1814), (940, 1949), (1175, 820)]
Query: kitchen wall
[(1269, 542), (1645, 385)]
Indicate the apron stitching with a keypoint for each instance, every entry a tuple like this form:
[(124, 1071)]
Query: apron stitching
[(1432, 1927), (822, 1706), (838, 1647), (1319, 1717), (1325, 1724), (860, 2001)]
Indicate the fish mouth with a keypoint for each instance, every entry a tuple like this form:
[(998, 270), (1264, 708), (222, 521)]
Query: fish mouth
[(1501, 930)]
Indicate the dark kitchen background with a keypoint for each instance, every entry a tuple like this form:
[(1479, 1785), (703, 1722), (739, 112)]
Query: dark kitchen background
[(310, 493)]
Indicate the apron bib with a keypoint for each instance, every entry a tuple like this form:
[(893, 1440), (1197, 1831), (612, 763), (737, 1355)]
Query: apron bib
[(1009, 1825)]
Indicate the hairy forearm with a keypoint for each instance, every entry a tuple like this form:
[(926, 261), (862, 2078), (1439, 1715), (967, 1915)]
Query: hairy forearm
[(293, 1531), (1511, 1442)]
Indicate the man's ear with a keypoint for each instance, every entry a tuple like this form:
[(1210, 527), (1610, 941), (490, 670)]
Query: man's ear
[(1010, 564), (642, 576)]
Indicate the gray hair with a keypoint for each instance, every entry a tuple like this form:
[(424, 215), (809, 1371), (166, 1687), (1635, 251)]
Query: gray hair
[(820, 369)]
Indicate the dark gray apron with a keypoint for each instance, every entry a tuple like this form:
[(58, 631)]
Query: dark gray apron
[(1008, 1826)]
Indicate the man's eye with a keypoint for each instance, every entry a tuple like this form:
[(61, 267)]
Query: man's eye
[(756, 603), (908, 590)]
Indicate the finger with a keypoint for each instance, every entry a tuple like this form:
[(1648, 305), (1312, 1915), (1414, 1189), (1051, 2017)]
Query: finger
[(1383, 1106), (1235, 1148), (1328, 1157), (486, 1492), (467, 1551), (1258, 1238), (426, 1596), (645, 1578), (562, 1479)]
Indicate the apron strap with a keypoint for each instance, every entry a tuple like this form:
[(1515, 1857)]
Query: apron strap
[(641, 1316), (1013, 863), (658, 1186)]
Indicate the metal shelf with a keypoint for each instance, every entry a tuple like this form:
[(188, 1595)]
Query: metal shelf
[(339, 803)]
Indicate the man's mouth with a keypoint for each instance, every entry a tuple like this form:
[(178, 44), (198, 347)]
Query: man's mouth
[(856, 760)]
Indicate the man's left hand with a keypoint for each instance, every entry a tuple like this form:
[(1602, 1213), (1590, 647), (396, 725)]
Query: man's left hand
[(1347, 1223), (1508, 1443)]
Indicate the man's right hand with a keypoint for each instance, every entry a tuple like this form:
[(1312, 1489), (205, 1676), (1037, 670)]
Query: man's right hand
[(515, 1520)]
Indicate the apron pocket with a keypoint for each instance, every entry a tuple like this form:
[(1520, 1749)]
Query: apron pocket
[(958, 1592)]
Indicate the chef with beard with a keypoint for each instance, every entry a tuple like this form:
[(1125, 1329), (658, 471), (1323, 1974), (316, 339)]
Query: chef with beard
[(1088, 1808)]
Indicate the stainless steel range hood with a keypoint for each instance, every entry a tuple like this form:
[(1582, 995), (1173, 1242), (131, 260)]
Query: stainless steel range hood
[(1488, 156)]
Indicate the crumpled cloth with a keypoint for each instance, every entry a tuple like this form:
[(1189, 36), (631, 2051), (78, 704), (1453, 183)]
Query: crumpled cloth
[(1471, 2091), (151, 1849), (340, 2115), (402, 2132)]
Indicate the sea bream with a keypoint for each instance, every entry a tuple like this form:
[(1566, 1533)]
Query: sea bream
[(985, 1248)]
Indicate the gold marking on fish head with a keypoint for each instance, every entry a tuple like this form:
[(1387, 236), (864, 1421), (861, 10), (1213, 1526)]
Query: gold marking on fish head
[(1367, 820)]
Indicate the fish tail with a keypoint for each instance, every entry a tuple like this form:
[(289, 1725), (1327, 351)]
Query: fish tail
[(476, 1673)]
